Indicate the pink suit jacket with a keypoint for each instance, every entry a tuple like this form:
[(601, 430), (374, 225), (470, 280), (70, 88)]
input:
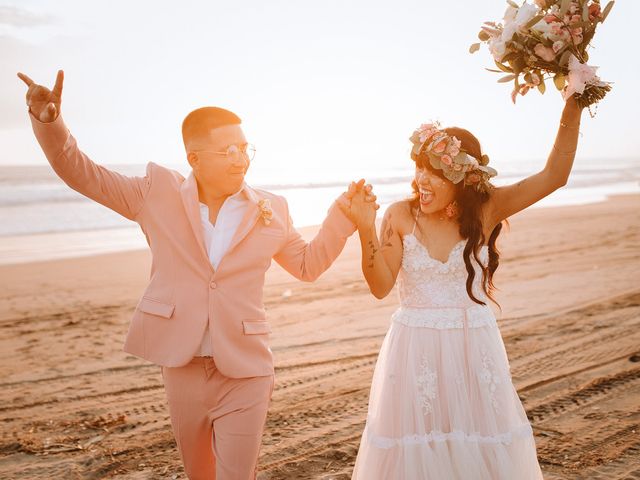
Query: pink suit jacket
[(185, 292)]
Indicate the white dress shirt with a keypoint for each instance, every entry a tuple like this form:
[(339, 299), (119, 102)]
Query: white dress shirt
[(217, 239)]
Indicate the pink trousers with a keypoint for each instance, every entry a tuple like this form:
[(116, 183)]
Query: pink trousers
[(217, 421)]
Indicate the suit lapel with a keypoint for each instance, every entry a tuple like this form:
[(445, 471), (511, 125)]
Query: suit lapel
[(189, 194), (249, 220)]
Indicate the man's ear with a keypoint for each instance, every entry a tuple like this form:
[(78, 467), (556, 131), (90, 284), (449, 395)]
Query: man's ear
[(193, 159)]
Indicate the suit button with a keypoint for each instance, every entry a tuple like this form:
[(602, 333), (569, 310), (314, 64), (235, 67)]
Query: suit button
[(213, 285)]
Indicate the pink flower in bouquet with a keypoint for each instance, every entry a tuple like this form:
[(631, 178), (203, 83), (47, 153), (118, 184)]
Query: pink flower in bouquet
[(576, 36), (551, 18), (580, 75), (543, 27), (558, 45), (524, 89), (576, 19), (446, 159), (560, 32), (535, 79), (498, 48), (545, 53), (573, 8), (491, 29), (515, 20)]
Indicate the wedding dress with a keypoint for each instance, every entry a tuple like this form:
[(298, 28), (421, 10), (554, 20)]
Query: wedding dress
[(442, 404)]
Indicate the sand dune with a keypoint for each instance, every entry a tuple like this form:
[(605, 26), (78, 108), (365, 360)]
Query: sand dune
[(73, 405)]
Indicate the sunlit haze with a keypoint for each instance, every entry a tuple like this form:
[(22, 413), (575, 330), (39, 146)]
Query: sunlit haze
[(324, 88)]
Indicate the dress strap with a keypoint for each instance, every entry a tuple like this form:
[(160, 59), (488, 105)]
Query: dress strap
[(415, 221)]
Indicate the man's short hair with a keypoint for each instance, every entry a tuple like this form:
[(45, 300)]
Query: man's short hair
[(201, 121)]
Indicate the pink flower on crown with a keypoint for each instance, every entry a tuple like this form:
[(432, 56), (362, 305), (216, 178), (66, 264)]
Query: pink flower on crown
[(426, 131), (440, 146), (446, 159), (473, 178), (426, 135), (425, 127), (453, 148)]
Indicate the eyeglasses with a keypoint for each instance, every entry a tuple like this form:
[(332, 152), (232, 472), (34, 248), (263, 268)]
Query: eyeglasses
[(248, 150)]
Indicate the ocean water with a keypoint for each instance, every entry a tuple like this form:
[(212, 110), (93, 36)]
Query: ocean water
[(42, 218)]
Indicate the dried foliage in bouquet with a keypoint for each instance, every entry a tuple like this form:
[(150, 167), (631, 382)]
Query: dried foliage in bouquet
[(547, 39)]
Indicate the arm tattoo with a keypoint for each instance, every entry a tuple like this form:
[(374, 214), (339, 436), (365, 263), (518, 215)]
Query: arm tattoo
[(373, 254), (388, 233)]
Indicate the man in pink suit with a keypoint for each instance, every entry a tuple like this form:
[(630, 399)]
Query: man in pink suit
[(201, 318)]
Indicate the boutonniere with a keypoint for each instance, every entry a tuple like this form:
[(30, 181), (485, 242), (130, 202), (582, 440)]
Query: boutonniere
[(266, 213)]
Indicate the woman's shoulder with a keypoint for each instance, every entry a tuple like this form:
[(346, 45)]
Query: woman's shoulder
[(399, 214), (400, 208)]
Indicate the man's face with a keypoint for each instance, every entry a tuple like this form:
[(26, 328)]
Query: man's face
[(218, 161)]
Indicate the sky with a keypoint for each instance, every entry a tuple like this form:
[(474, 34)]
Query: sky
[(332, 86)]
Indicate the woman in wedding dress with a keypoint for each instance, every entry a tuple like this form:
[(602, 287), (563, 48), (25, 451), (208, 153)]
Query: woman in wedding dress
[(442, 404)]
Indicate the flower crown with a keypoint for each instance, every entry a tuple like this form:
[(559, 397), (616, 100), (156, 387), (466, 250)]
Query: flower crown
[(445, 153)]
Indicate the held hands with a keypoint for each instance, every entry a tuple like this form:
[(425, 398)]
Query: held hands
[(362, 205), (43, 103)]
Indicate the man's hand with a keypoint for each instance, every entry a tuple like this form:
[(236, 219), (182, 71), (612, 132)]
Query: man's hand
[(43, 103), (361, 207)]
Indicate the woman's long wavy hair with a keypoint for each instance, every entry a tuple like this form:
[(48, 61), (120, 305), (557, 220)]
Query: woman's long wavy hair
[(470, 202)]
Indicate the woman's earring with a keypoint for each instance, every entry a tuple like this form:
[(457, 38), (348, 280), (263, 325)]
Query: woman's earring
[(452, 209)]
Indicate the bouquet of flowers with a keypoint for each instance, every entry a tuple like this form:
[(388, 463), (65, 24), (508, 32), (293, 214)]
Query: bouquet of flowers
[(547, 39)]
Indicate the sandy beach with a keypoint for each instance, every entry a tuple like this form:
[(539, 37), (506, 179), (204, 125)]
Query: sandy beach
[(74, 405)]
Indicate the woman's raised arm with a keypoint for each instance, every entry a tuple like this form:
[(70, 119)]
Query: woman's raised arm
[(381, 257), (510, 199)]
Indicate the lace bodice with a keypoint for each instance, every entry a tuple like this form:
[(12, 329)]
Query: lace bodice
[(426, 282)]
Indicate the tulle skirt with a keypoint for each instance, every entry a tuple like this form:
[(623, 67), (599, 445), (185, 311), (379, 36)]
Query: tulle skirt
[(442, 403)]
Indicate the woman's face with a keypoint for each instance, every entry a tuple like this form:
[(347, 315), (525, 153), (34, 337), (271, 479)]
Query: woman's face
[(435, 192)]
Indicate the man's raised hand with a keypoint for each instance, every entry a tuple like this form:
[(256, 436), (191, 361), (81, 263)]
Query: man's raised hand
[(359, 204), (43, 103)]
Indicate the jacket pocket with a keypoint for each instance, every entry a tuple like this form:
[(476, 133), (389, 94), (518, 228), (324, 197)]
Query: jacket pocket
[(155, 307), (252, 327)]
